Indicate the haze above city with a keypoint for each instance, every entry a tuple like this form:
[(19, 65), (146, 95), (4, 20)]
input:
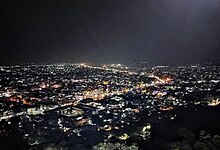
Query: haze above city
[(113, 31)]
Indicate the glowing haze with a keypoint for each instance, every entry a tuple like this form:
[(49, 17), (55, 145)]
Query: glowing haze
[(110, 31)]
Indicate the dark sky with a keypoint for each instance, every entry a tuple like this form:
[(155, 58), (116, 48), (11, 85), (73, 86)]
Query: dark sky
[(110, 31)]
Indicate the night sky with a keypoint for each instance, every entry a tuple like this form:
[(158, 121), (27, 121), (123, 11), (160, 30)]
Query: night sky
[(110, 31)]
